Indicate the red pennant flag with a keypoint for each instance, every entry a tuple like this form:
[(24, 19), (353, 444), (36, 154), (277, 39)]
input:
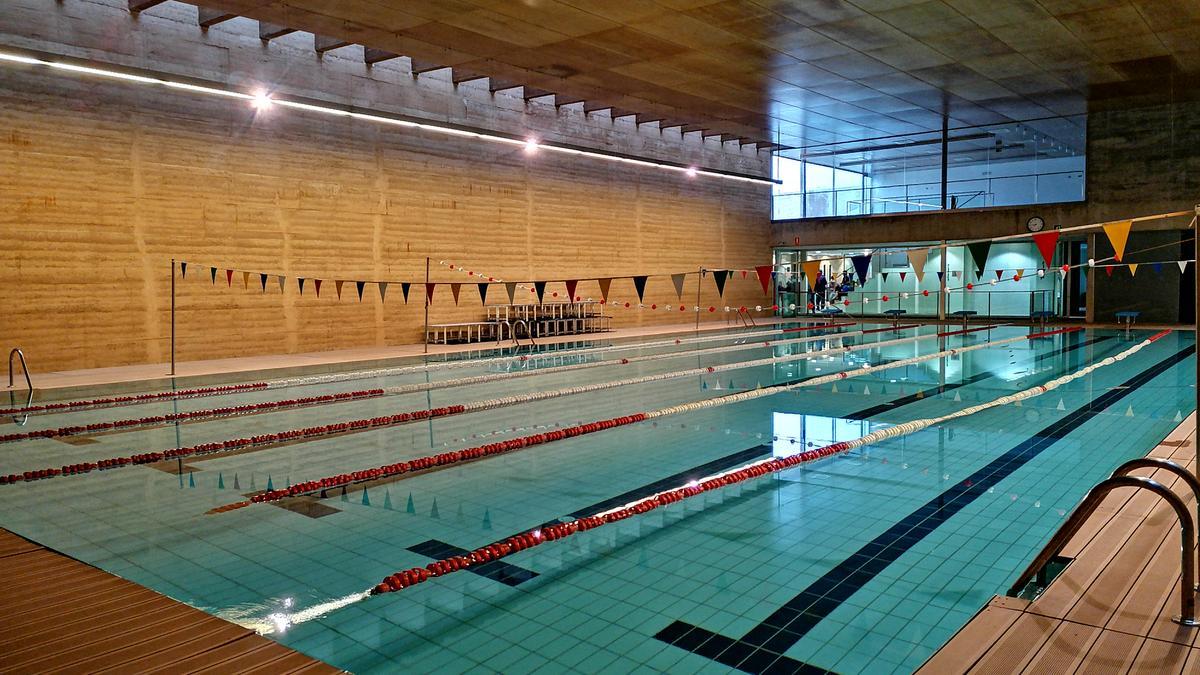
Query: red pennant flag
[(1046, 242), (429, 288), (571, 289), (902, 275), (229, 278), (743, 276), (764, 277), (317, 285), (454, 289), (1108, 269)]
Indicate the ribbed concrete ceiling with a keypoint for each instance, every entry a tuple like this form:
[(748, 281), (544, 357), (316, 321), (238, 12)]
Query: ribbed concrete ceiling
[(793, 72)]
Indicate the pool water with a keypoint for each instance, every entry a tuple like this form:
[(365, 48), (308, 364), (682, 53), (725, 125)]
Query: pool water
[(865, 562)]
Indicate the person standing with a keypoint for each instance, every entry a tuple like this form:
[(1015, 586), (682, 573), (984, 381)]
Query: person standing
[(820, 288)]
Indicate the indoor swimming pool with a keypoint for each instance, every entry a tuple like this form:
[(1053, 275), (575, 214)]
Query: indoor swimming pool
[(863, 562)]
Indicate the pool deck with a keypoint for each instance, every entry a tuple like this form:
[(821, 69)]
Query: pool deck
[(148, 374), (58, 614), (1110, 610)]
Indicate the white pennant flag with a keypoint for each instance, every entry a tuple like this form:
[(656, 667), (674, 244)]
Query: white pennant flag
[(1182, 266), (1062, 272), (866, 390)]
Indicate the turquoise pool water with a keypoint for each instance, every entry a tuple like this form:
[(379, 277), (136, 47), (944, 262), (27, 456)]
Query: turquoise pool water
[(866, 562)]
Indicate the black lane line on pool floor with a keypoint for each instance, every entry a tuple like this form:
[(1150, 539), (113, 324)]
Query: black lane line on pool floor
[(888, 406), (761, 649), (498, 570)]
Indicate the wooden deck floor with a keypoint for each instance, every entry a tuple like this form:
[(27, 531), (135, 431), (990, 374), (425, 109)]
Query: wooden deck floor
[(1110, 610), (60, 615)]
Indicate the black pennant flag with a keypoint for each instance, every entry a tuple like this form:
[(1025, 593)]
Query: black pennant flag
[(212, 272), (483, 289), (404, 286), (300, 280), (640, 284), (540, 287), (720, 276), (979, 253), (182, 269), (263, 279), (360, 285), (382, 290)]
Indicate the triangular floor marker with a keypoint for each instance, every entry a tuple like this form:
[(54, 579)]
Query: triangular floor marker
[(366, 501), (1061, 405), (410, 508), (387, 499), (866, 390), (236, 485), (957, 397), (1129, 411), (834, 389), (220, 481), (270, 486)]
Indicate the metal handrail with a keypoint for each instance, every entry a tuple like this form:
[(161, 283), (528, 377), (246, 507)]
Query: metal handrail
[(24, 366), (1187, 596), (1166, 465), (528, 331)]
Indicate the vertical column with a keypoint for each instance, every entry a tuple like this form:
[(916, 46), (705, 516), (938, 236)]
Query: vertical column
[(945, 157), (942, 282), (1090, 292)]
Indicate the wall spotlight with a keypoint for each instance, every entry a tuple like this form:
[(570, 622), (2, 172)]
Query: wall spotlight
[(531, 146), (691, 172), (262, 101)]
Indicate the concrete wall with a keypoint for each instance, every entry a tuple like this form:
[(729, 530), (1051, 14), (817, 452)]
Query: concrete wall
[(106, 181)]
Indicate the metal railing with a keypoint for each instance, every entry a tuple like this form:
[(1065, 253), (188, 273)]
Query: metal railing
[(1187, 527), (21, 420)]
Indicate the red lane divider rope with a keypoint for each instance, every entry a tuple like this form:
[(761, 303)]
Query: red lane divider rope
[(136, 398), (421, 463), (530, 538), (234, 444), (195, 415)]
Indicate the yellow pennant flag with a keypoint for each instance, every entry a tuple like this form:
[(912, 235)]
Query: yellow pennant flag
[(811, 269), (1133, 269), (1118, 234), (246, 279)]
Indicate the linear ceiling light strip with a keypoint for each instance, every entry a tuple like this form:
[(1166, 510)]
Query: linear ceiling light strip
[(263, 100)]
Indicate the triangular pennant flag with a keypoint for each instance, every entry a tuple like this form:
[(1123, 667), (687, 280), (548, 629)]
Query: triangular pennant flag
[(511, 288), (866, 390), (639, 284), (1182, 266), (1157, 268), (382, 290), (404, 288), (1063, 271), (1020, 272), (245, 280), (429, 289), (1118, 235), (1045, 242), (862, 263), (212, 272), (957, 397), (941, 277), (571, 286), (360, 285), (337, 286), (764, 278), (483, 289), (811, 269), (884, 276), (300, 281), (229, 278), (182, 269), (720, 277), (262, 278), (604, 284), (743, 276), (916, 259), (1133, 269), (979, 253), (317, 285), (902, 275), (281, 279), (454, 289), (540, 287), (677, 279), (1108, 269), (999, 275)]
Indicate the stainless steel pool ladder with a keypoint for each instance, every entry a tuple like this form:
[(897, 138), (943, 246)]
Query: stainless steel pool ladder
[(24, 419), (1092, 500)]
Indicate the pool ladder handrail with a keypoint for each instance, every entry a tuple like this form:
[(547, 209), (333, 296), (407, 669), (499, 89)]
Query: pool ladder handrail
[(1091, 501), (16, 351)]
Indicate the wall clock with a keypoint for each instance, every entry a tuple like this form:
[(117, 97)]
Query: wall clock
[(1035, 224)]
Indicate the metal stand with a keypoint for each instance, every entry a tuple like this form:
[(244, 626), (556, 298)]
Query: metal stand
[(172, 317), (427, 300)]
